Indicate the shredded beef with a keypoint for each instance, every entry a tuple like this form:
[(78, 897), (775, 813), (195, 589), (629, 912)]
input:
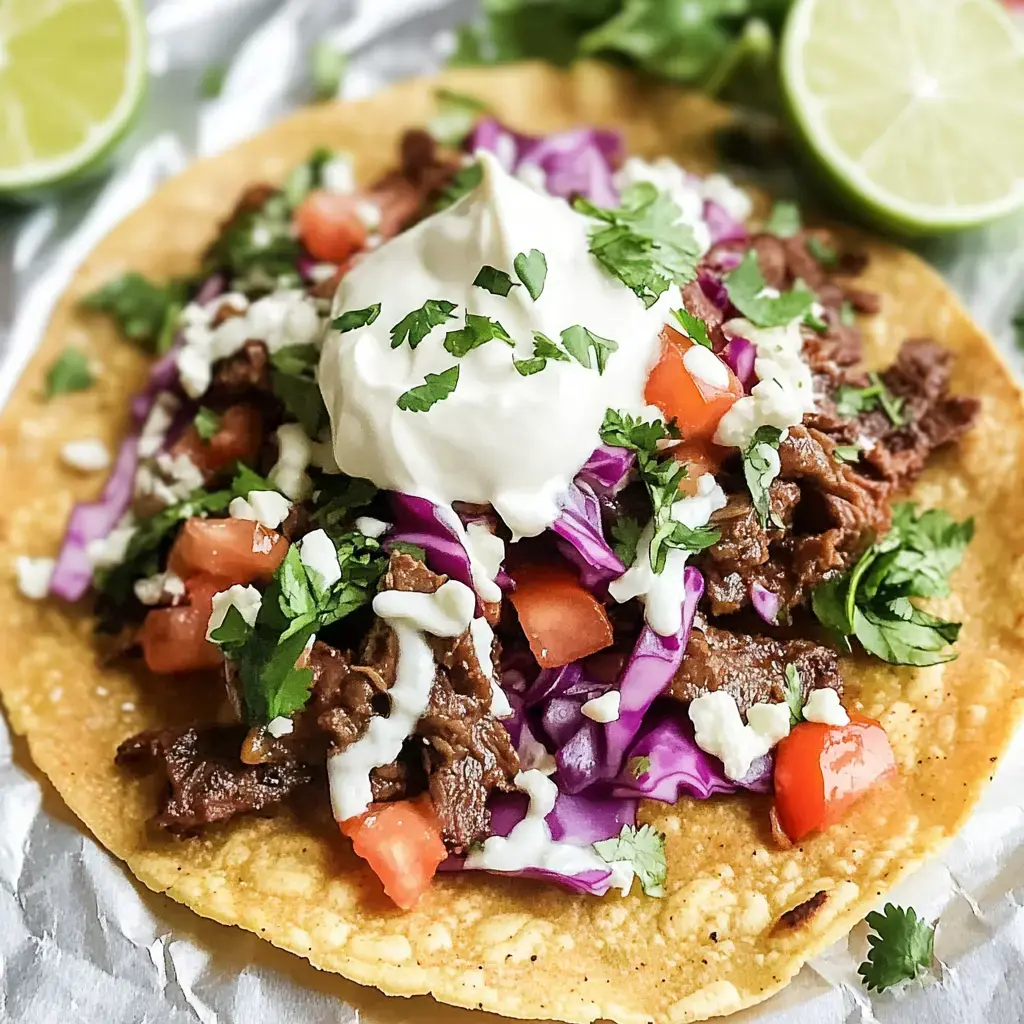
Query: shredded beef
[(751, 668), (206, 780), (243, 373)]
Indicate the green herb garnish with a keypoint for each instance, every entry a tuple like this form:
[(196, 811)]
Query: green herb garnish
[(353, 319), (580, 341), (457, 114), (144, 312), (478, 331), (851, 402), (784, 221), (495, 281), (211, 83), (824, 253), (294, 382), (695, 328), (902, 945), (532, 269), (415, 326), (626, 533), (68, 372), (746, 286), (543, 350), (435, 388), (644, 849), (846, 453), (206, 422), (794, 695), (463, 182), (760, 468)]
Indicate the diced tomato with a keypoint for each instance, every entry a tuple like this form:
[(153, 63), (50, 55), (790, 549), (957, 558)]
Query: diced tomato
[(402, 842), (562, 620), (699, 459), (692, 402), (237, 550), (174, 639), (822, 770), (238, 439), (330, 227)]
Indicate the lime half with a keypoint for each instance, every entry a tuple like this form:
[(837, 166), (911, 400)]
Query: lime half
[(915, 108), (72, 74)]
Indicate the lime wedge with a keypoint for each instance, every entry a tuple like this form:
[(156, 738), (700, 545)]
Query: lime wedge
[(72, 74), (914, 108)]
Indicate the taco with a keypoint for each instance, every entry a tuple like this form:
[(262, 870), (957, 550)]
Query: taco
[(527, 575)]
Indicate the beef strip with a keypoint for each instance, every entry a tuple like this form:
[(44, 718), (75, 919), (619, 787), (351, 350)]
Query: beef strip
[(206, 780), (242, 374), (751, 669)]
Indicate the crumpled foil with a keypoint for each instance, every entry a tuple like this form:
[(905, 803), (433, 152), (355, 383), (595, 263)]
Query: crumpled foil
[(80, 940)]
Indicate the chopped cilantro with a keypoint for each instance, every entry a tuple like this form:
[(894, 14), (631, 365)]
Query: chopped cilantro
[(823, 252), (816, 323), (902, 945), (306, 177), (293, 381), (643, 242), (626, 533), (695, 328), (543, 350), (435, 388), (246, 479), (847, 453), (872, 601), (464, 181), (532, 269), (794, 695), (851, 402), (746, 286), (415, 326), (211, 83), (643, 849), (337, 497), (206, 422), (784, 220), (456, 115), (495, 281), (847, 314), (144, 312), (68, 372), (405, 548), (478, 331), (639, 767), (579, 341), (327, 70), (760, 468), (353, 319)]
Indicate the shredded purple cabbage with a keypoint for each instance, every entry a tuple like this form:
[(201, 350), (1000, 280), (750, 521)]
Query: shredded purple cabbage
[(579, 162), (765, 603), (581, 538), (89, 521), (607, 470), (740, 355), (714, 289), (722, 225), (417, 522)]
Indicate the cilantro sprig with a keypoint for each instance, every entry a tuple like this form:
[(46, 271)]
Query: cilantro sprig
[(902, 945), (145, 312), (851, 402), (784, 220), (415, 326), (543, 350), (873, 600), (643, 849), (643, 241), (353, 319), (695, 328), (435, 388), (478, 331), (293, 381), (497, 282), (68, 372), (746, 286), (760, 468), (794, 694)]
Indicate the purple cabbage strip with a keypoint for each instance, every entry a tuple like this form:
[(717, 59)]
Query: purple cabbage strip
[(740, 355), (765, 603), (417, 522), (89, 521), (576, 162), (678, 767), (607, 470), (597, 752), (714, 289), (581, 538), (722, 226)]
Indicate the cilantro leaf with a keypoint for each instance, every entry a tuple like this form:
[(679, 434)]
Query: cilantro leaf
[(306, 177), (435, 388), (644, 242), (643, 849), (353, 319), (784, 220), (639, 767), (405, 548), (746, 286), (327, 70), (478, 331), (847, 453), (851, 402), (902, 945), (532, 269), (144, 312), (794, 694), (823, 252), (415, 326), (579, 341), (624, 431), (211, 83), (760, 468), (293, 381), (337, 498), (495, 281), (68, 372), (543, 350), (246, 479), (233, 631), (695, 328), (872, 601), (847, 314), (626, 534), (816, 323), (456, 115), (206, 422), (463, 182)]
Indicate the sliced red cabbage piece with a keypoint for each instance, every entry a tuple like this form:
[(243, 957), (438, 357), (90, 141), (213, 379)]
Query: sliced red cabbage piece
[(417, 521), (581, 538), (722, 226), (579, 162), (607, 470), (765, 602), (740, 354), (91, 521)]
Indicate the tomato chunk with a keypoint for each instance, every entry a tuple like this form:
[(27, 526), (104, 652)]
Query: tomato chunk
[(237, 550), (174, 639), (402, 842), (695, 403), (330, 227), (822, 770), (562, 620), (237, 439)]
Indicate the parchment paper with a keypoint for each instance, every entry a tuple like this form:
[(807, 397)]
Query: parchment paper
[(79, 939)]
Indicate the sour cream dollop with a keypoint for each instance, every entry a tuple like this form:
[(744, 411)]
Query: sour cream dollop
[(501, 438)]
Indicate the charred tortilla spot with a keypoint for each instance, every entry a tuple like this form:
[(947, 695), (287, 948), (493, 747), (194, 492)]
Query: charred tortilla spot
[(802, 912)]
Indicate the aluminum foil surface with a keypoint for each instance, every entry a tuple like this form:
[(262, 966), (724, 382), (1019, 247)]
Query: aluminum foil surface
[(80, 940)]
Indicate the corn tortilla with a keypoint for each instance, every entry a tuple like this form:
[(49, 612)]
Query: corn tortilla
[(736, 924)]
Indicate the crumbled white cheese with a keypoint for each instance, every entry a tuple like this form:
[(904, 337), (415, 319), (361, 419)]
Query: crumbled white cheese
[(717, 188), (106, 552), (321, 272), (239, 508), (89, 455), (823, 705), (318, 554), (34, 575), (195, 370), (295, 449), (158, 422), (604, 708), (370, 527), (338, 174), (719, 730), (278, 727), (369, 213), (170, 478), (704, 366), (271, 509), (246, 599), (162, 588)]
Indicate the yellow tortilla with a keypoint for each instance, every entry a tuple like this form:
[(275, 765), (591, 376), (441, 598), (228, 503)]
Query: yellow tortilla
[(715, 944)]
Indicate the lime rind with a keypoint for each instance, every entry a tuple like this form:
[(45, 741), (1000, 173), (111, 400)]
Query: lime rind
[(809, 104)]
